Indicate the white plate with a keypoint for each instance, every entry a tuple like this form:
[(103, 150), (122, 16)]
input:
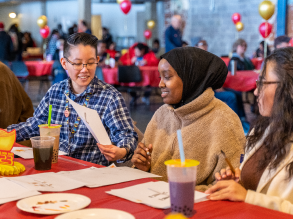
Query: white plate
[(96, 213), (63, 200)]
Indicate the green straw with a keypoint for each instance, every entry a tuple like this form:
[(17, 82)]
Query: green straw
[(50, 113)]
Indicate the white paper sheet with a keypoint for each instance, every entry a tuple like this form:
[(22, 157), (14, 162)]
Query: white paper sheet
[(97, 177), (92, 121), (154, 194), (27, 152), (47, 182), (10, 191)]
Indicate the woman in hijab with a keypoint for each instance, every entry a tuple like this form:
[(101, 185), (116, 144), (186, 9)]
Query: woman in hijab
[(188, 77)]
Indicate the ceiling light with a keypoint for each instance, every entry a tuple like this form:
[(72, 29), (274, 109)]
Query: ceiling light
[(12, 15)]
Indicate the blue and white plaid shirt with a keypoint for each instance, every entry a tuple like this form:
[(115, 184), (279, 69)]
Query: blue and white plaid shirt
[(109, 104)]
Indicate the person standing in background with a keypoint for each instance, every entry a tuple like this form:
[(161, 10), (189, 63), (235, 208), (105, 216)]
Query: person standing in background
[(107, 37), (83, 27), (51, 49), (6, 45), (16, 37), (173, 35)]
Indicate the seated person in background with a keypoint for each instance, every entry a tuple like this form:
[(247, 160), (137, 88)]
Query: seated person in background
[(83, 87), (27, 41), (102, 52), (139, 54), (184, 44), (243, 62), (141, 57), (267, 170), (83, 27), (112, 51), (259, 53), (157, 49), (228, 97), (202, 44), (58, 72), (282, 42), (188, 77), (15, 105)]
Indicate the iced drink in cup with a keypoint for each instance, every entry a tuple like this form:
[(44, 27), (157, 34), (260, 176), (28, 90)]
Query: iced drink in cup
[(43, 152), (54, 131), (182, 179)]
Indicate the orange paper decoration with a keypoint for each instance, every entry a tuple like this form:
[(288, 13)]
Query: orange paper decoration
[(7, 140)]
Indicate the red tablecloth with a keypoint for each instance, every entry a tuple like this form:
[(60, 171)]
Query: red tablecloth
[(39, 68), (255, 61), (100, 199), (150, 76), (242, 81)]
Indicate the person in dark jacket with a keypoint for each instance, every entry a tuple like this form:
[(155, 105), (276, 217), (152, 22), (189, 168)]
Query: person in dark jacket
[(6, 45), (173, 36), (243, 62)]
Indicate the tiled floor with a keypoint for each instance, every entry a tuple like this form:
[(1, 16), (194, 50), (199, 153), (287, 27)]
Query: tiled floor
[(140, 113)]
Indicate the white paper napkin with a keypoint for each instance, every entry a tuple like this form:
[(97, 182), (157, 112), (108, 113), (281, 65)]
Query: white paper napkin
[(154, 194), (97, 177), (49, 182), (10, 191)]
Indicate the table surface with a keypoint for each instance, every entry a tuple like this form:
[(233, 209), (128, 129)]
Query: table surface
[(100, 199)]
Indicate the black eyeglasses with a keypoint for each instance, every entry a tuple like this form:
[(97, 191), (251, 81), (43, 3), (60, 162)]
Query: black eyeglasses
[(80, 66), (260, 83)]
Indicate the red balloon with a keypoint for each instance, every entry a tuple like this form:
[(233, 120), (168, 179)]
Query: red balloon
[(236, 17), (147, 34), (265, 29), (125, 6), (45, 32), (291, 42)]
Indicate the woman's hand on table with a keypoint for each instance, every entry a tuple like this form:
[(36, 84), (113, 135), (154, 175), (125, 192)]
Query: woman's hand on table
[(140, 158), (227, 190), (112, 152), (226, 174)]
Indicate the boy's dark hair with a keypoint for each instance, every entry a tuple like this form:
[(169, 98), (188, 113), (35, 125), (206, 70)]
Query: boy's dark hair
[(156, 41), (102, 41), (142, 46), (281, 39), (84, 23), (80, 38)]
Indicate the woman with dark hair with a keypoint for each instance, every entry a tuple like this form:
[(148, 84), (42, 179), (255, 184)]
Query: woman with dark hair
[(243, 62), (259, 53), (188, 77), (27, 41), (267, 170)]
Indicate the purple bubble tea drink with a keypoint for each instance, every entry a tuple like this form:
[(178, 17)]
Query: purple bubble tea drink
[(182, 179)]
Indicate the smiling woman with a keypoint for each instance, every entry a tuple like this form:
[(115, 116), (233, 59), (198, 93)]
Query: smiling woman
[(83, 87), (188, 77)]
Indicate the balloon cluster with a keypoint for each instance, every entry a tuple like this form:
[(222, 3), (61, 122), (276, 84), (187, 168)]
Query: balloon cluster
[(236, 18), (45, 30), (125, 5), (148, 33), (266, 9)]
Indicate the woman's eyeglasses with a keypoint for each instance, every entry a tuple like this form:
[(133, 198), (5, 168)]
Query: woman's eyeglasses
[(260, 83), (79, 66)]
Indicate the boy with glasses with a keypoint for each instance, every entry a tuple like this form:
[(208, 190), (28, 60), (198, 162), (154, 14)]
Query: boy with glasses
[(80, 60)]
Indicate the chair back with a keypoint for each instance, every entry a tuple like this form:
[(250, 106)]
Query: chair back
[(5, 62), (19, 69), (99, 73), (127, 74)]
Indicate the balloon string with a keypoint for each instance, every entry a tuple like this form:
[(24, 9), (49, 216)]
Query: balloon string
[(265, 44)]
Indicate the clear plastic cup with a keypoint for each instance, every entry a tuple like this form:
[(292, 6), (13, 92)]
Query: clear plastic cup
[(54, 131), (43, 151), (182, 181)]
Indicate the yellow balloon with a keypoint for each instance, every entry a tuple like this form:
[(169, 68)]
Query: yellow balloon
[(239, 26), (151, 24), (119, 1), (266, 9), (42, 21)]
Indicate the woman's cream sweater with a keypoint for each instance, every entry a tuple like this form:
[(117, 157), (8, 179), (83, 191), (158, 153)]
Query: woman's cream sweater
[(208, 126)]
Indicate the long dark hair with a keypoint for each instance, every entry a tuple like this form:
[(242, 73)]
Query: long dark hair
[(280, 122)]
